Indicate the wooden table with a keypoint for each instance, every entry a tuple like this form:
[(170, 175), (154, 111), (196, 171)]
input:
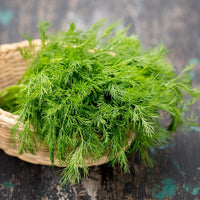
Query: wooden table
[(176, 171)]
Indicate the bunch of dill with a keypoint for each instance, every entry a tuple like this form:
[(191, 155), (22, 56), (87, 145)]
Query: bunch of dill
[(87, 92)]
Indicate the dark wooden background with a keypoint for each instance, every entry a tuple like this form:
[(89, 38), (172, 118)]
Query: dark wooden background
[(176, 171)]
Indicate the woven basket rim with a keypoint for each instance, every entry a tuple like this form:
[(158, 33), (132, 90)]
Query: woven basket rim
[(13, 46)]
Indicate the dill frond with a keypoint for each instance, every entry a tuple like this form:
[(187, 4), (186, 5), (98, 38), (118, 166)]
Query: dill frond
[(86, 91)]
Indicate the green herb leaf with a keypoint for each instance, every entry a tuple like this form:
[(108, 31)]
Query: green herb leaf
[(87, 91)]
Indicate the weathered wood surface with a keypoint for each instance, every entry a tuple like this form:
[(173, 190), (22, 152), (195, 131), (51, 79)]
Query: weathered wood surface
[(176, 171)]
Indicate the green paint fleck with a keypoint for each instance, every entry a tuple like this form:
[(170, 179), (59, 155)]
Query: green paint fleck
[(7, 184), (195, 190), (168, 189), (198, 168), (6, 17)]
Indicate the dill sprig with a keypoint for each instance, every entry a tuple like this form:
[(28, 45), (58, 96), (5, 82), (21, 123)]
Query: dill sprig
[(87, 91)]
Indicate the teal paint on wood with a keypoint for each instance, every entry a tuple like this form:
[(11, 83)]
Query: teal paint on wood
[(193, 61), (8, 184), (153, 153), (168, 189), (195, 128), (178, 167), (186, 187), (168, 145), (192, 74), (6, 17), (42, 192), (194, 191)]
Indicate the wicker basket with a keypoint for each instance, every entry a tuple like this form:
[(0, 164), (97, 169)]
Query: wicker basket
[(12, 66)]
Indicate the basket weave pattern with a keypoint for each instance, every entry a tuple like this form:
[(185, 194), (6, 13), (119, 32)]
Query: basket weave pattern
[(12, 67)]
